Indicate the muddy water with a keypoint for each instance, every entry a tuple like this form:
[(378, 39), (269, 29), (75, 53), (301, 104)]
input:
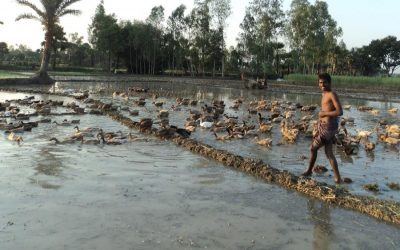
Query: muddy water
[(149, 194)]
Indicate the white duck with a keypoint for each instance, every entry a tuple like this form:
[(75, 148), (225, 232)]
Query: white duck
[(205, 124)]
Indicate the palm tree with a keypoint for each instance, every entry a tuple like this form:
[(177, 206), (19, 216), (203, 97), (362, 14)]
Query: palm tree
[(49, 17)]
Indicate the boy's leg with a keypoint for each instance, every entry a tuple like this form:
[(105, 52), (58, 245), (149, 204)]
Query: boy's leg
[(313, 157), (332, 161)]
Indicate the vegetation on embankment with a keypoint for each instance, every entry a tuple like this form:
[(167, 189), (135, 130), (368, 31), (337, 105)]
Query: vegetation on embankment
[(348, 81), (11, 74), (4, 74)]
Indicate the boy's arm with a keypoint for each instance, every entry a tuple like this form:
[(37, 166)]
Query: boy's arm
[(338, 111)]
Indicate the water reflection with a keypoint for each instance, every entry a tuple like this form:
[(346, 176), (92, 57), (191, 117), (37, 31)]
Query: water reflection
[(44, 184), (320, 216), (50, 164), (371, 156), (344, 158)]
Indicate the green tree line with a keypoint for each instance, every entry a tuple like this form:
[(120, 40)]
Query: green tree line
[(271, 42)]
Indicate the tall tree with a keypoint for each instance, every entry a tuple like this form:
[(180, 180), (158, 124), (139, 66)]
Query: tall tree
[(176, 28), (386, 52), (79, 53), (362, 62), (261, 26), (59, 44), (323, 33), (49, 16), (155, 20), (221, 10), (202, 30), (104, 34), (296, 31), (3, 50), (317, 40)]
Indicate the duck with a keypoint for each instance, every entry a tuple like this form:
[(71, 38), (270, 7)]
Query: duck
[(375, 111), (207, 109), (230, 119), (390, 140), (265, 142), (348, 119), (134, 112), (91, 141), (89, 129), (350, 149), (369, 146), (20, 129), (260, 118), (347, 107), (393, 110), (110, 135), (44, 120), (252, 111), (116, 94), (145, 124), (112, 141), (66, 141), (140, 103), (265, 127), (183, 101), (235, 134), (364, 134), (277, 119), (289, 134), (158, 104), (163, 113), (392, 129), (289, 114), (65, 122), (182, 132), (307, 117), (175, 107), (350, 145), (13, 137), (222, 137), (205, 124)]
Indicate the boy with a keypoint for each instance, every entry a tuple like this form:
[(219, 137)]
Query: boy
[(328, 123)]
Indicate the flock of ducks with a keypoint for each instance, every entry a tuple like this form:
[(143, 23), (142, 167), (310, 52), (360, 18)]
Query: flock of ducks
[(291, 119), (13, 123)]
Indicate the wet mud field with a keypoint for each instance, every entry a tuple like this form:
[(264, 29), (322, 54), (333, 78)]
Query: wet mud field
[(157, 189)]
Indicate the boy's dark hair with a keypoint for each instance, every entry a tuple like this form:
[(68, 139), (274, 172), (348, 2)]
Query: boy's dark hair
[(325, 76)]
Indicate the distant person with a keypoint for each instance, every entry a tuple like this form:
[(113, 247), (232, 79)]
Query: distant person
[(328, 124)]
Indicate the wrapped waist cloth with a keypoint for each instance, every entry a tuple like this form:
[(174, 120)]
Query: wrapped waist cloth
[(326, 133)]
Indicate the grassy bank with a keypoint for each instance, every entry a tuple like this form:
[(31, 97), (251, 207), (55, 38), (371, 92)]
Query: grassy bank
[(349, 81), (61, 72), (12, 74)]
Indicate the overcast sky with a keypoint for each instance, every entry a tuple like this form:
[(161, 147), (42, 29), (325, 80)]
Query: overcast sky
[(361, 20)]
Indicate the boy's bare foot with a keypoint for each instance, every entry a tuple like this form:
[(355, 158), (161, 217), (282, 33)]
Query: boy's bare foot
[(338, 181), (306, 173)]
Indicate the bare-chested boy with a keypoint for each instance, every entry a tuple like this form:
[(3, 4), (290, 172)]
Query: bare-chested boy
[(331, 109)]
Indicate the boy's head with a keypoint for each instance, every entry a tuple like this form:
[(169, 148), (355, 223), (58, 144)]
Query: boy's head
[(324, 80)]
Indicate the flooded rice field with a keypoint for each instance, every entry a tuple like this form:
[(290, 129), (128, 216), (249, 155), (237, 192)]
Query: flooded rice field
[(143, 192)]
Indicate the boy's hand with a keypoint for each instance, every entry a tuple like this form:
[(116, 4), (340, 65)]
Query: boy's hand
[(322, 114)]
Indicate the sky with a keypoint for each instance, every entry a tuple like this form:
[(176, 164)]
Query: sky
[(361, 20)]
